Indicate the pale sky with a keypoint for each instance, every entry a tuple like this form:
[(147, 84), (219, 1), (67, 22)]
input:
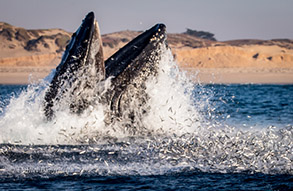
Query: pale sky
[(227, 19)]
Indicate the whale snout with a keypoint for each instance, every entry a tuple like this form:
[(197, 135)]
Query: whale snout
[(161, 26)]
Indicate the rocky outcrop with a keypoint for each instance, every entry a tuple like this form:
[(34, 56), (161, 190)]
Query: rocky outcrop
[(16, 41)]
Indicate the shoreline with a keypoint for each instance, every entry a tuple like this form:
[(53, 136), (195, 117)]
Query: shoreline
[(197, 75), (239, 76), (22, 75)]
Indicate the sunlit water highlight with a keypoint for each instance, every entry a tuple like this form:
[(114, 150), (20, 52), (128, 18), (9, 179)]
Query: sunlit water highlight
[(190, 128)]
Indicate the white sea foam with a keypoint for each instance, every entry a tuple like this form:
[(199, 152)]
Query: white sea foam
[(172, 109)]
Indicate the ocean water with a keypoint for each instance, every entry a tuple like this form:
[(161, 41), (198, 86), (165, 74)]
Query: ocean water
[(195, 137), (171, 163)]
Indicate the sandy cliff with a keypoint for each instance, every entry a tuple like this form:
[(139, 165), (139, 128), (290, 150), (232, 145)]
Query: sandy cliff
[(36, 52), (238, 64)]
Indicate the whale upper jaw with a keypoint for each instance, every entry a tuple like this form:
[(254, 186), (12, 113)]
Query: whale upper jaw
[(124, 57)]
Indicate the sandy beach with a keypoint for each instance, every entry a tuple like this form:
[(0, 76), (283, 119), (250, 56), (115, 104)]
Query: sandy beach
[(210, 75), (22, 75), (240, 76)]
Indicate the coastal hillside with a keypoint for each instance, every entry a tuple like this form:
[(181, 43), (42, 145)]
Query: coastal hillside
[(36, 52)]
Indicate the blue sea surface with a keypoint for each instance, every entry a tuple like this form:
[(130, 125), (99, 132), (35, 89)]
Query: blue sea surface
[(249, 147), (252, 105)]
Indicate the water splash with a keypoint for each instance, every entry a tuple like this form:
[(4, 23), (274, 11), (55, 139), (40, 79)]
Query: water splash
[(176, 137), (170, 106)]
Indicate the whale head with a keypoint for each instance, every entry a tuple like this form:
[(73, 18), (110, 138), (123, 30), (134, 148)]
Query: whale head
[(130, 68), (83, 55), (139, 47)]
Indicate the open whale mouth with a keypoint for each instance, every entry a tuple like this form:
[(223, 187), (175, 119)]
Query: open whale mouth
[(117, 63), (82, 68)]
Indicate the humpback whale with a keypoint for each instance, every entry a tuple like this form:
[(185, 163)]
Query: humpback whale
[(81, 67), (128, 69)]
